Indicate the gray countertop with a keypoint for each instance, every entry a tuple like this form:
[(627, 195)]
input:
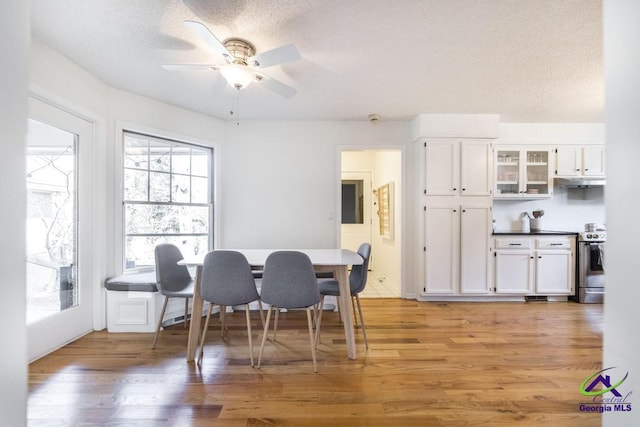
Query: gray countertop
[(535, 233)]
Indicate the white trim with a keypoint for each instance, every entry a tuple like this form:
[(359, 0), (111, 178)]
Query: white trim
[(99, 126)]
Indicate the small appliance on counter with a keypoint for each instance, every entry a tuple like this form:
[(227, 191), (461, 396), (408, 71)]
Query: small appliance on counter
[(590, 267)]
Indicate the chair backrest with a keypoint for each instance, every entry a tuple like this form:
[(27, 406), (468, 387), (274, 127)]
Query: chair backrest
[(288, 280), (169, 275), (358, 275), (227, 279)]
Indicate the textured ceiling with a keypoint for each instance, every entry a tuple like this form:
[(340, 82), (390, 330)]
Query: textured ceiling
[(527, 60)]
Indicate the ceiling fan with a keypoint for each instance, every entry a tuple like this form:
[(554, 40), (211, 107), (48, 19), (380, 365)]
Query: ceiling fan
[(243, 64)]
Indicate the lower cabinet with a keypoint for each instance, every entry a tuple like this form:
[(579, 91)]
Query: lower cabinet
[(536, 265), (457, 250)]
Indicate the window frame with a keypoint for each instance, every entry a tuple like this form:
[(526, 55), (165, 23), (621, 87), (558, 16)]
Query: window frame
[(121, 205)]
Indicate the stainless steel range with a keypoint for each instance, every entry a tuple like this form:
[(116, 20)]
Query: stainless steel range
[(591, 266)]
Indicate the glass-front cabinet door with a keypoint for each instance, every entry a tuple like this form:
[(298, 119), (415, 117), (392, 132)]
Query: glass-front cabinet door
[(522, 173)]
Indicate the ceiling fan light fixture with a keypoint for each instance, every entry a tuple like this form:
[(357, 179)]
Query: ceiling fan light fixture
[(237, 75)]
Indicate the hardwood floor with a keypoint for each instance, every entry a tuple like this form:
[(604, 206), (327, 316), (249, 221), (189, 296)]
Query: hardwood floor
[(452, 364)]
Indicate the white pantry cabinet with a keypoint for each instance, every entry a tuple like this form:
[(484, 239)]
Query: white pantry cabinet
[(580, 161), (456, 167), (457, 249), (534, 265)]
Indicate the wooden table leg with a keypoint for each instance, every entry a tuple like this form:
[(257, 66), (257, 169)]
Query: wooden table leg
[(196, 318), (346, 310)]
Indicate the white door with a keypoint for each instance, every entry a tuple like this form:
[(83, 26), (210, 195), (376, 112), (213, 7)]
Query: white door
[(593, 161), (59, 228), (442, 164), (553, 272), (357, 205), (474, 249), (476, 168), (442, 228), (513, 272)]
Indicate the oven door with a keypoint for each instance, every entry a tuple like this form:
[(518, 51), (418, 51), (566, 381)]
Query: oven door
[(592, 265)]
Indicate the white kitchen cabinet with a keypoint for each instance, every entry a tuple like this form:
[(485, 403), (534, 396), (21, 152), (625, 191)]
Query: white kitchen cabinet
[(523, 173), (554, 270), (580, 161), (458, 168), (513, 268), (534, 265), (457, 249)]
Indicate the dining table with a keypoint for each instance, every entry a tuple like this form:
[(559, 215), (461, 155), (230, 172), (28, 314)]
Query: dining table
[(335, 261)]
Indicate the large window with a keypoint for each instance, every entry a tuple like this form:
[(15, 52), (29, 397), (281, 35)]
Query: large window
[(167, 197)]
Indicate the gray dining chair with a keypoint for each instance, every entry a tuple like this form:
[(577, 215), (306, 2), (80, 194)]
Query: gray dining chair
[(289, 282), (227, 280), (173, 280), (357, 283)]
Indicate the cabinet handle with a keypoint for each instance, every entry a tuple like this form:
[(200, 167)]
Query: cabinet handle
[(464, 189), (455, 210), (454, 189), (555, 244), (586, 169), (515, 244), (464, 210), (539, 256), (577, 170), (531, 257)]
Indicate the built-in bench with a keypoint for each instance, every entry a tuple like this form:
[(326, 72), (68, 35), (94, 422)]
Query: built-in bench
[(133, 302)]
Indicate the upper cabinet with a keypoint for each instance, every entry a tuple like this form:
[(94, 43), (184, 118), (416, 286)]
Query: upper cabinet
[(523, 173), (458, 168), (580, 161)]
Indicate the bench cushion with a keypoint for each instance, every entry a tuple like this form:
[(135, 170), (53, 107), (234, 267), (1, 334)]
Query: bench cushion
[(137, 282)]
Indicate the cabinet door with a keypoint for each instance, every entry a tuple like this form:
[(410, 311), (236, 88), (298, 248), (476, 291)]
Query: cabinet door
[(513, 271), (508, 173), (442, 168), (442, 230), (568, 161), (554, 272), (476, 168), (593, 161), (537, 179), (474, 249)]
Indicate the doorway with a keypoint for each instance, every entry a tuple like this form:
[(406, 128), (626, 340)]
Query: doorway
[(371, 211), (59, 227)]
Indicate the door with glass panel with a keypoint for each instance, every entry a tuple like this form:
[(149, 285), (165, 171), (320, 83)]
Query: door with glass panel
[(58, 227)]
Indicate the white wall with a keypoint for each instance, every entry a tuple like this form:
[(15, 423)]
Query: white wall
[(14, 36), (279, 180), (568, 209), (622, 317), (388, 168)]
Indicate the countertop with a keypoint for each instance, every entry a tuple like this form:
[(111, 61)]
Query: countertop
[(535, 233)]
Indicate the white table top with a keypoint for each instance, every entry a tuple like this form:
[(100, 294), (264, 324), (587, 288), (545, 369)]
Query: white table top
[(319, 257)]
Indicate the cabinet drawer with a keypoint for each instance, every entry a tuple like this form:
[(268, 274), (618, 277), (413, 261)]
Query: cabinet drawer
[(511, 243), (553, 244)]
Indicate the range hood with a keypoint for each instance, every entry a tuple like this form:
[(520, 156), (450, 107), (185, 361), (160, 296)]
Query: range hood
[(582, 182)]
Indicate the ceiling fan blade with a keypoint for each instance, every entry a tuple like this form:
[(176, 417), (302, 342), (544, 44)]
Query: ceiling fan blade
[(190, 67), (279, 55), (201, 30), (277, 86)]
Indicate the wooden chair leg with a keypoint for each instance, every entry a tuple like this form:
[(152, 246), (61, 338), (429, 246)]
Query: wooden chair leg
[(364, 329), (204, 333), (264, 336), (164, 308), (275, 324), (261, 312), (223, 313), (312, 339), (186, 311), (246, 309), (355, 318), (319, 321)]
